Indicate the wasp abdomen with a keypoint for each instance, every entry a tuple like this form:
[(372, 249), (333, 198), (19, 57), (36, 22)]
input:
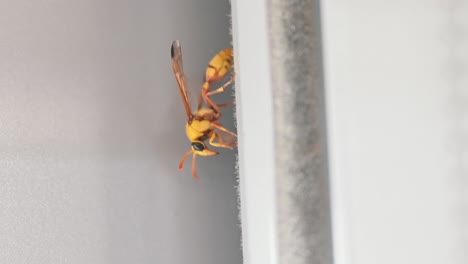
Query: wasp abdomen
[(219, 66)]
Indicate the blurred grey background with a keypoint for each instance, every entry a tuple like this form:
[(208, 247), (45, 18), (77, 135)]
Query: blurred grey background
[(92, 132)]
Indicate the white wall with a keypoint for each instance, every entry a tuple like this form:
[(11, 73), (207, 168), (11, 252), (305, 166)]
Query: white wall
[(397, 95), (255, 128), (92, 131)]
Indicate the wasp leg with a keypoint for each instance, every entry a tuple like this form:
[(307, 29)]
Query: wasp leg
[(220, 143), (227, 104), (222, 128), (222, 88), (221, 105), (200, 102), (206, 95)]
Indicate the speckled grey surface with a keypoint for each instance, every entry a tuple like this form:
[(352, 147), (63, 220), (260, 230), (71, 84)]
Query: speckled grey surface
[(92, 131), (304, 227)]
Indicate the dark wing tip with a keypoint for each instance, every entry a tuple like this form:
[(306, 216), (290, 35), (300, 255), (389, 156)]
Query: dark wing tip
[(175, 45)]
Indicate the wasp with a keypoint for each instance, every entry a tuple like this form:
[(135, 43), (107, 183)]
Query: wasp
[(203, 125)]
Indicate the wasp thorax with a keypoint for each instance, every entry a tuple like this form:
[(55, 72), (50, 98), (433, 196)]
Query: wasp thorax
[(198, 146)]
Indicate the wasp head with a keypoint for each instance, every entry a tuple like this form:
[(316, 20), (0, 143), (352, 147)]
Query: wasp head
[(200, 148)]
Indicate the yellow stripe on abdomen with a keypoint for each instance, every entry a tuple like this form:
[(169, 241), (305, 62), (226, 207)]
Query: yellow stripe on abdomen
[(219, 67)]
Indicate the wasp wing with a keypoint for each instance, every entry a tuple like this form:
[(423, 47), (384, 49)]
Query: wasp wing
[(177, 65)]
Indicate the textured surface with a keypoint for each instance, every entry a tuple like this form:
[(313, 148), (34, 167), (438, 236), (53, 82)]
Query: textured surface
[(304, 232), (92, 130), (397, 76)]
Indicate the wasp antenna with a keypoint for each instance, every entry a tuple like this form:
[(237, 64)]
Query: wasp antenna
[(194, 167), (181, 164)]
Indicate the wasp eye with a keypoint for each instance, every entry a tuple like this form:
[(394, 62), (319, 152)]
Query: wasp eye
[(198, 146)]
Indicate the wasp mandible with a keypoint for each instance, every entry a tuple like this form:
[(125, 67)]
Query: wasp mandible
[(203, 124)]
